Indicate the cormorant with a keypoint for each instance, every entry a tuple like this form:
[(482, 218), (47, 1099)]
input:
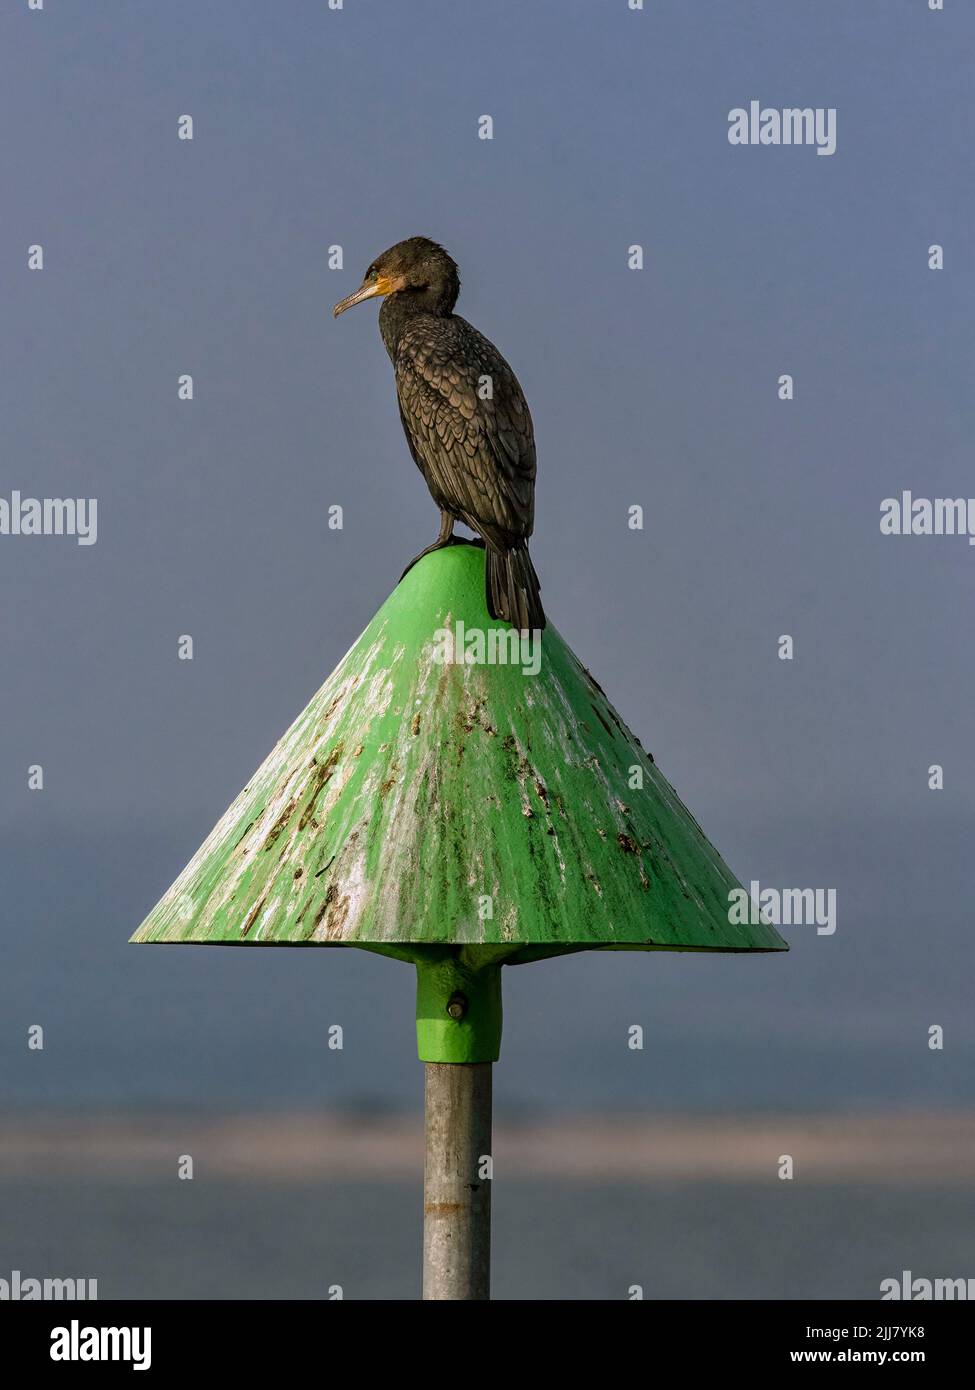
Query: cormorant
[(465, 417)]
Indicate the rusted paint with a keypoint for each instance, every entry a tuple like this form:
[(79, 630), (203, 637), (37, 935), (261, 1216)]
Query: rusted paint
[(409, 792)]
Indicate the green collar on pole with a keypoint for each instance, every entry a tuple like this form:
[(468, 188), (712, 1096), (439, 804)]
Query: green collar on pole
[(458, 1005)]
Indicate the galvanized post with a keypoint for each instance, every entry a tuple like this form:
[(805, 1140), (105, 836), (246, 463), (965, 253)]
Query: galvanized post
[(456, 1181), (458, 1033)]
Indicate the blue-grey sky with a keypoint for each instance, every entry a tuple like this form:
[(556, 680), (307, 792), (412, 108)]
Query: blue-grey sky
[(657, 387)]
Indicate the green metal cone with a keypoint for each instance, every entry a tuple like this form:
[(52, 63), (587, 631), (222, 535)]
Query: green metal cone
[(422, 801)]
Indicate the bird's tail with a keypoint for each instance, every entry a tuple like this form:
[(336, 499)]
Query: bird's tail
[(512, 587)]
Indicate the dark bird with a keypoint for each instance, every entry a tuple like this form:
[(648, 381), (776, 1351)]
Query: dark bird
[(465, 416)]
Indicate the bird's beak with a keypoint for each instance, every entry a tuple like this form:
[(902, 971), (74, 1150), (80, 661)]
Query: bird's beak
[(384, 285)]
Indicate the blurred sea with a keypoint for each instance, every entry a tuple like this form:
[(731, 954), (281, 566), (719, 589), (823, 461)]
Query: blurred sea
[(552, 1240), (289, 1207)]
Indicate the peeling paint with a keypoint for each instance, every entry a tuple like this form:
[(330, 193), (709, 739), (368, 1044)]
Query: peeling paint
[(459, 781)]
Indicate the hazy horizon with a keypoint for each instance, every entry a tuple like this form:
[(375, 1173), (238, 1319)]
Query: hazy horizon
[(656, 387)]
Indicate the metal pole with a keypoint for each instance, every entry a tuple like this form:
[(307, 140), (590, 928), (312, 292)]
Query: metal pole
[(456, 1181)]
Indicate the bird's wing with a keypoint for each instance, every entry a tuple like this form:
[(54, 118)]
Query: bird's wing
[(468, 425)]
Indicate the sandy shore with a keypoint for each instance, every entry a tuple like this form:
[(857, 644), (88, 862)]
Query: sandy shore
[(899, 1149)]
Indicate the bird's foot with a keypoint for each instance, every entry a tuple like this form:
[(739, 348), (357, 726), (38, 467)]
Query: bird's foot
[(440, 545)]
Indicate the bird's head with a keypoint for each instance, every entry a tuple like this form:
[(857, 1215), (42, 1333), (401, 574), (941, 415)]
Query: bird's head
[(416, 267)]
